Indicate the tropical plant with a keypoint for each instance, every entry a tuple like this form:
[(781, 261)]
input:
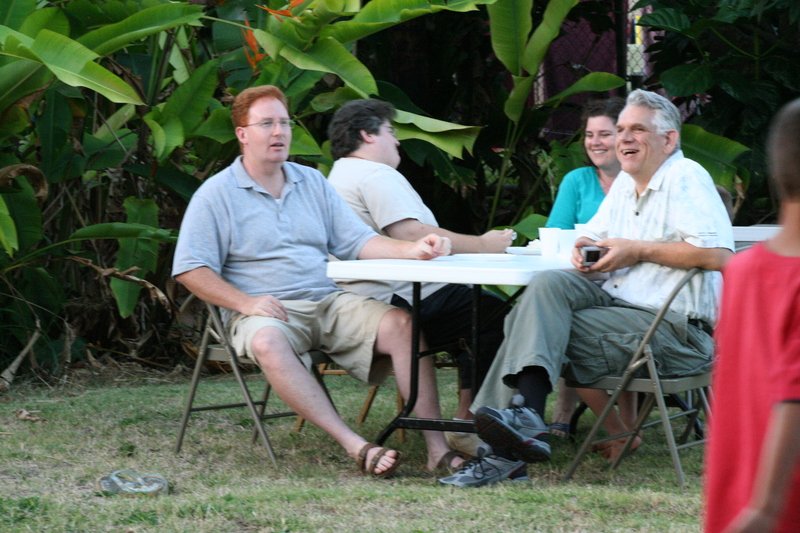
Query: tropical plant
[(69, 93), (113, 113), (733, 63), (522, 48)]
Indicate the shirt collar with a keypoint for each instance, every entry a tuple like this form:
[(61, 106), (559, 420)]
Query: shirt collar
[(244, 181), (657, 180)]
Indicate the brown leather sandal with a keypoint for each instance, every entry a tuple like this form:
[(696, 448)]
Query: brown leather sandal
[(370, 469), (445, 463)]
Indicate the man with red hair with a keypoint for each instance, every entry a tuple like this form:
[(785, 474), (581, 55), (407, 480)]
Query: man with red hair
[(255, 241)]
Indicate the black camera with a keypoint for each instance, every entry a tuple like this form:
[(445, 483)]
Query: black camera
[(592, 254)]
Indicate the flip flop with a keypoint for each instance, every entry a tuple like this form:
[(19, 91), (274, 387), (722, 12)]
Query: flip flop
[(560, 426), (128, 482), (370, 468)]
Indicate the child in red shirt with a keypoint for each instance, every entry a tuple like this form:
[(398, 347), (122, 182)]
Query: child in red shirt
[(752, 467)]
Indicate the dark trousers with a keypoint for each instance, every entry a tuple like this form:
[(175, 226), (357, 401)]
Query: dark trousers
[(446, 317)]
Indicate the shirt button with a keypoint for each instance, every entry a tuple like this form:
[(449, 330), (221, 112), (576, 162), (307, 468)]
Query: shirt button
[(637, 213)]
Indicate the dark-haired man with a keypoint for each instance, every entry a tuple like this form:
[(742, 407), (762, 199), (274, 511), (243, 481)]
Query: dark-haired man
[(365, 148)]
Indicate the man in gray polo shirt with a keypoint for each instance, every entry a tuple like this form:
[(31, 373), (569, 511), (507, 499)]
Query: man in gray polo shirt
[(255, 241)]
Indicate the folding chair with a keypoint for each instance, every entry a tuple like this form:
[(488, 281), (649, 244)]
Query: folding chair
[(223, 351), (655, 389)]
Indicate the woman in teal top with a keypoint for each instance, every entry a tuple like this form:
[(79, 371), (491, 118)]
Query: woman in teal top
[(578, 198), (582, 190)]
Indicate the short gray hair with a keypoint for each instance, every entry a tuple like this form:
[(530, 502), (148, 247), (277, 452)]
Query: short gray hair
[(666, 115)]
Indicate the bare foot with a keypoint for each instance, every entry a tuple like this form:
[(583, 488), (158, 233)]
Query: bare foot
[(559, 429), (377, 460), (440, 462), (611, 449)]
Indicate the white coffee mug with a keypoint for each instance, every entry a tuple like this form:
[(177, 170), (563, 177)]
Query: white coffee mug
[(549, 238)]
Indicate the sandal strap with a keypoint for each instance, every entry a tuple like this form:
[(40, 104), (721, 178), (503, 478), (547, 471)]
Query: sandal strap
[(375, 459), (362, 455)]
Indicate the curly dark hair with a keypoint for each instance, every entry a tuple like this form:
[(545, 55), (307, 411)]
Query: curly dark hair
[(351, 119)]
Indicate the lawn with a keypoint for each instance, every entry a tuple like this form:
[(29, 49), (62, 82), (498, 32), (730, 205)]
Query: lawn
[(120, 417)]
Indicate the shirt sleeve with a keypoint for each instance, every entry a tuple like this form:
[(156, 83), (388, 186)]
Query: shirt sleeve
[(602, 221), (348, 234), (696, 209), (204, 236), (389, 199), (788, 379)]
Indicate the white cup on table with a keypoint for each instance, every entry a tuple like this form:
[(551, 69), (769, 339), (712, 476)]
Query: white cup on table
[(549, 239), (566, 240)]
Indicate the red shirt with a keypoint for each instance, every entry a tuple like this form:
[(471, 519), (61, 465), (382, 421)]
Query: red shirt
[(757, 366)]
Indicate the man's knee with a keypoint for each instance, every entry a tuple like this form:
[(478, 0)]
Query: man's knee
[(395, 322), (270, 346), (550, 279), (394, 332)]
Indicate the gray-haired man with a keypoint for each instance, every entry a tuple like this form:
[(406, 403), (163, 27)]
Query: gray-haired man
[(661, 217)]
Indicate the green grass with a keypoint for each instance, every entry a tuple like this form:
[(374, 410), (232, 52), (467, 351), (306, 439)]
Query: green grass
[(223, 483)]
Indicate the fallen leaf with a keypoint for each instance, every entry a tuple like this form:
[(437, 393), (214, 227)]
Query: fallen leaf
[(24, 414)]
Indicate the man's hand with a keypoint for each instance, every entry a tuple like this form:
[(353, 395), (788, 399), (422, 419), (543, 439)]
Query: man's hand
[(625, 253), (266, 305), (430, 246), (577, 258), (497, 240), (622, 253)]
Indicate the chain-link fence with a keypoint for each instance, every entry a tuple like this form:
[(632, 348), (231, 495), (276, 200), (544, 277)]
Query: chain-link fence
[(615, 45)]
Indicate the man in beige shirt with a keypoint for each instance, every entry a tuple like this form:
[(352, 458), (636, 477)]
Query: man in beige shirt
[(365, 148)]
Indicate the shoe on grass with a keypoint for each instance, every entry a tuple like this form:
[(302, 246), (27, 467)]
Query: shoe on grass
[(127, 482), (486, 469), (520, 430)]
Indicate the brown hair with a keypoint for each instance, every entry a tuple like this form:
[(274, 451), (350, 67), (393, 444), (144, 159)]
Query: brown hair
[(783, 149), (345, 128), (242, 103), (609, 107)]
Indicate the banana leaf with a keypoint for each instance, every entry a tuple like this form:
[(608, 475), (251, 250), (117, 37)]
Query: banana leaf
[(135, 252)]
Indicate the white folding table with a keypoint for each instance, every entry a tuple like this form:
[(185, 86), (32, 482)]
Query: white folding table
[(468, 269)]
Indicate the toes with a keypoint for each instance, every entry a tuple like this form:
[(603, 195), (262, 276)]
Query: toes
[(384, 463), (457, 462)]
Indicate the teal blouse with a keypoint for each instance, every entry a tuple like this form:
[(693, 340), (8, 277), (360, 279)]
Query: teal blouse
[(578, 198)]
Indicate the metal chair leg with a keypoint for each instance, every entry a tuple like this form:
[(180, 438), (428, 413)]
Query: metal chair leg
[(198, 367)]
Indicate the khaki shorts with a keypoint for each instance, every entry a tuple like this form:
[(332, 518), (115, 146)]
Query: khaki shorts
[(343, 325)]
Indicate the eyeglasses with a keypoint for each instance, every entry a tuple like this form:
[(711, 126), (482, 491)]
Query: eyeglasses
[(270, 124)]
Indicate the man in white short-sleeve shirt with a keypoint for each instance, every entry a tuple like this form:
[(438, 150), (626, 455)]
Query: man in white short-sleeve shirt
[(255, 240), (364, 174), (661, 217)]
